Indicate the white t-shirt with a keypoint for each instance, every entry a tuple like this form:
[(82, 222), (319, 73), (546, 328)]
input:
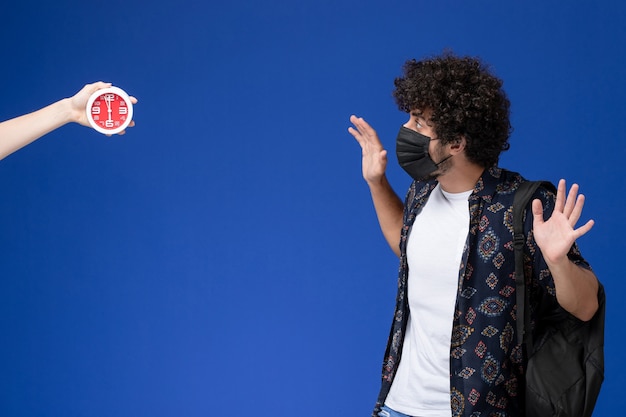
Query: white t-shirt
[(421, 387)]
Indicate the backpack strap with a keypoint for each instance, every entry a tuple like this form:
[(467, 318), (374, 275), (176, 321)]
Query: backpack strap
[(522, 197)]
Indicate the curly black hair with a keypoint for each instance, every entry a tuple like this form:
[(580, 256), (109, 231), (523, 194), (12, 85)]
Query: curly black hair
[(465, 98)]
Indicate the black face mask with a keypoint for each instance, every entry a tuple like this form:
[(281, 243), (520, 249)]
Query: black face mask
[(412, 153)]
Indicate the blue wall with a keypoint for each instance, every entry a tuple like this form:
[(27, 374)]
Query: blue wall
[(224, 256)]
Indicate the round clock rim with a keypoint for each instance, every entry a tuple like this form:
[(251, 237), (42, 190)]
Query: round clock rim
[(98, 93)]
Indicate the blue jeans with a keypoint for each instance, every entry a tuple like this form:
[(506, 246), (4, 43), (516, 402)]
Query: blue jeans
[(388, 412)]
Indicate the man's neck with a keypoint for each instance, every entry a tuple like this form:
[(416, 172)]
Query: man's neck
[(462, 177)]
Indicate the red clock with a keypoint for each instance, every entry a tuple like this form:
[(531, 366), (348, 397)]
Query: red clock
[(109, 110)]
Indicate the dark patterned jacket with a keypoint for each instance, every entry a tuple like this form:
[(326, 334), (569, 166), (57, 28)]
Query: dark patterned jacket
[(486, 362)]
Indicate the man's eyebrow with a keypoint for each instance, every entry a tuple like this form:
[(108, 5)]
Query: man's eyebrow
[(420, 115)]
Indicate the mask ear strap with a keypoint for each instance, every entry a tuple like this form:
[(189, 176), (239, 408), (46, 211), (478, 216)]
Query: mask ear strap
[(444, 160)]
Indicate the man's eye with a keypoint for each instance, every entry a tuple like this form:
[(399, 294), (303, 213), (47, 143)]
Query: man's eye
[(418, 124)]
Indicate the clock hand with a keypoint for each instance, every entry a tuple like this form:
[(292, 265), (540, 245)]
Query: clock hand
[(107, 100)]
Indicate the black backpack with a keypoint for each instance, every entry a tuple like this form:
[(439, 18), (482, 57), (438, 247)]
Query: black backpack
[(565, 367)]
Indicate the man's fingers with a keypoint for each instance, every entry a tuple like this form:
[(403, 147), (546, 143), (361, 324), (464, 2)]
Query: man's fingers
[(362, 125), (357, 135), (537, 208), (571, 200), (560, 196), (364, 134), (577, 210), (584, 228)]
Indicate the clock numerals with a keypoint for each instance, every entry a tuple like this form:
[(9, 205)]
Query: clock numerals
[(115, 111)]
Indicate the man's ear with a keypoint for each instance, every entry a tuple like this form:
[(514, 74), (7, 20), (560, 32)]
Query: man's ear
[(458, 145)]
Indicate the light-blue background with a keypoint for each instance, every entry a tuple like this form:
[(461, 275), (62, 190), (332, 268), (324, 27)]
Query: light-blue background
[(223, 258)]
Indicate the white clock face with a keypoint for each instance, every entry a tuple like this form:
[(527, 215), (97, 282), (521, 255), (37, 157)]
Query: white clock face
[(109, 110)]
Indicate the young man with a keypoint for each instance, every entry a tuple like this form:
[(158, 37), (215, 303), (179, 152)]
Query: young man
[(453, 349), (23, 130)]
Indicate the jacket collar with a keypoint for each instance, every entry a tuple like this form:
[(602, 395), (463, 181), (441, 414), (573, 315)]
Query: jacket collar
[(487, 185)]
